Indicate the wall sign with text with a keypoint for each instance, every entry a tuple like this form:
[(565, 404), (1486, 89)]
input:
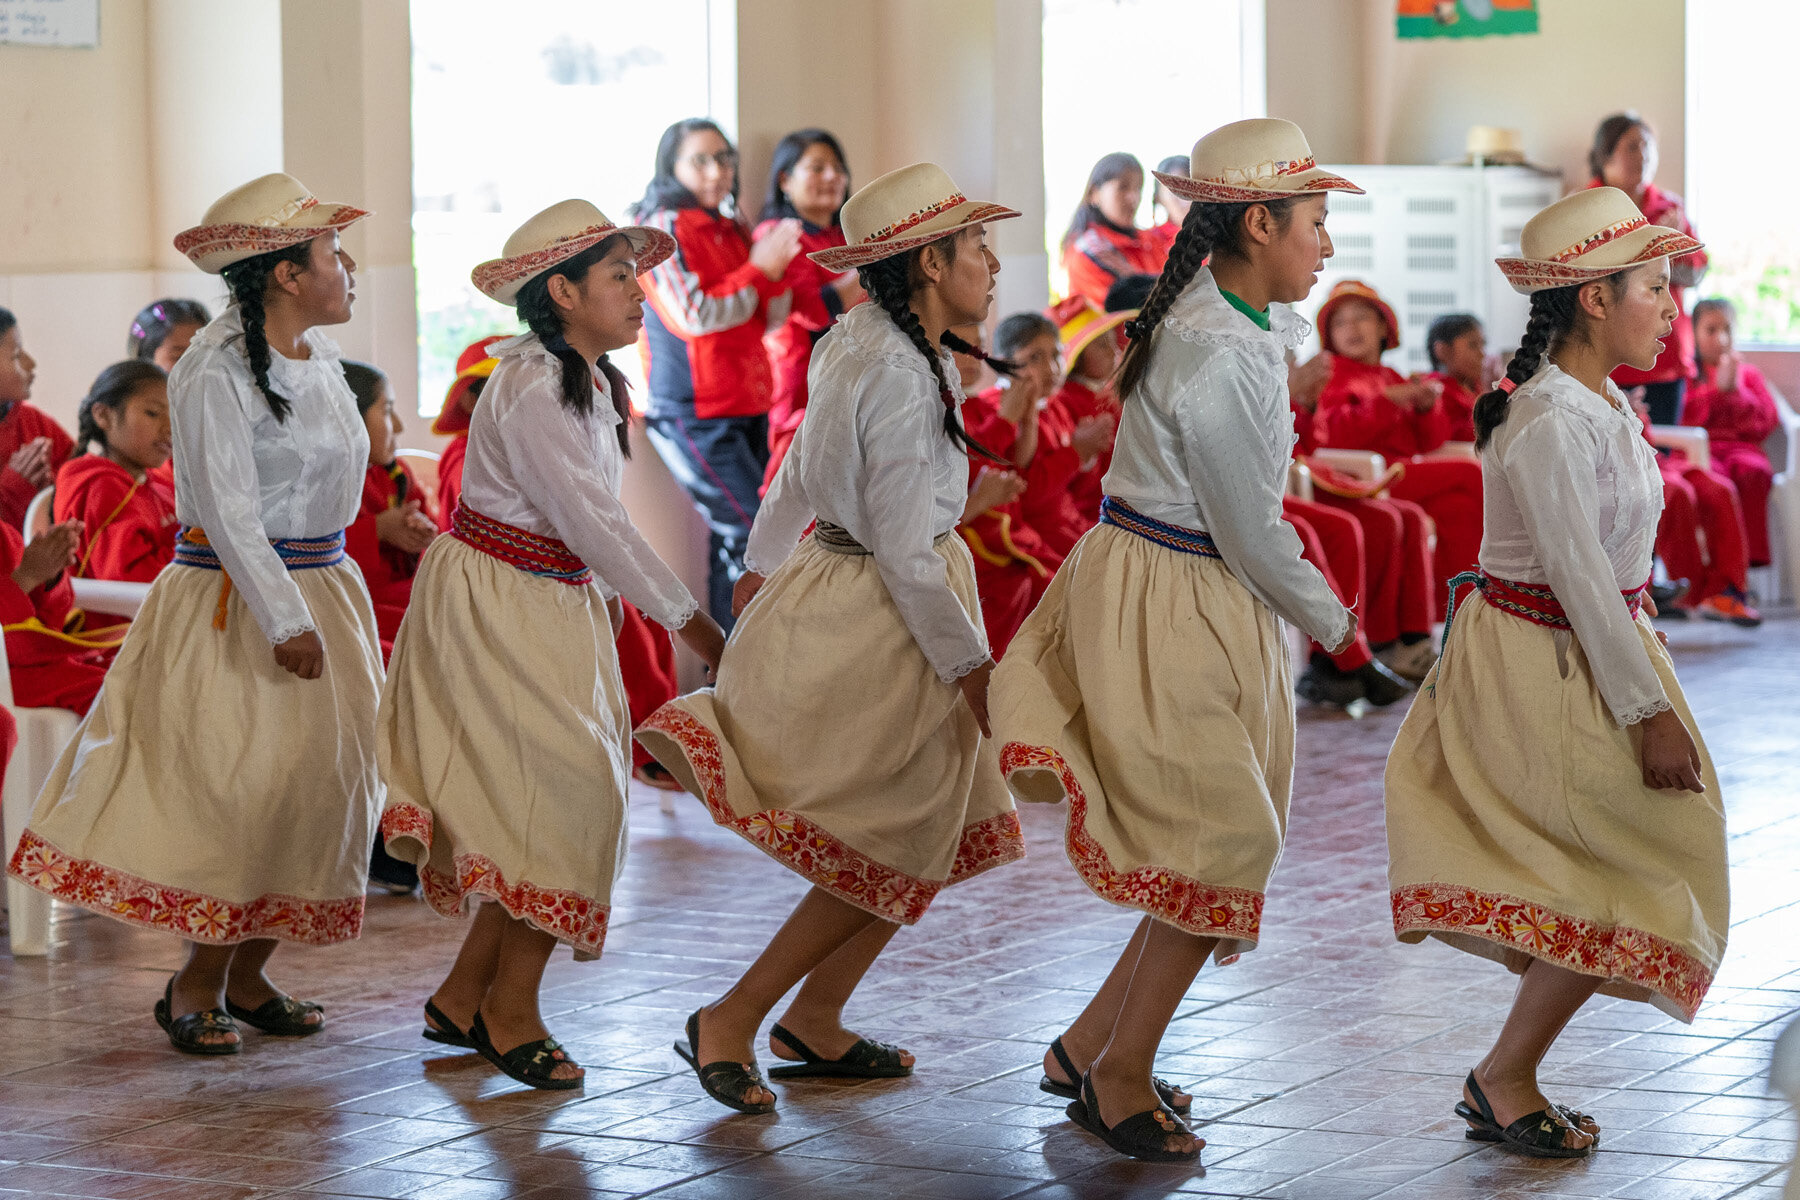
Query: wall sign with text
[(50, 22)]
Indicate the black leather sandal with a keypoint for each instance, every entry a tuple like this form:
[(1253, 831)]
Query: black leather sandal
[(726, 1082), (1540, 1134), (1139, 1136), (442, 1030), (530, 1063), (865, 1060), (282, 1016), (1165, 1090), (186, 1031)]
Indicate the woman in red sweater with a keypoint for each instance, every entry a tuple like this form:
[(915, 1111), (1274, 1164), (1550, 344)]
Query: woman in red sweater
[(1366, 406), (709, 305), (809, 179), (1103, 243), (32, 445), (127, 516), (1731, 400)]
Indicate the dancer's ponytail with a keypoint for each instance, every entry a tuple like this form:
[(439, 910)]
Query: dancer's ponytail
[(1552, 316)]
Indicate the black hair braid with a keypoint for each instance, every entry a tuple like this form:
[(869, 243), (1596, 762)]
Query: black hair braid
[(1552, 316), (889, 284), (249, 282), (1203, 229), (1002, 366), (539, 313), (620, 391)]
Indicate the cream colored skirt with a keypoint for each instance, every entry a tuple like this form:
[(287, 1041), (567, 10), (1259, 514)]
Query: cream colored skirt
[(211, 794), (831, 744), (1519, 826), (1155, 694), (505, 743)]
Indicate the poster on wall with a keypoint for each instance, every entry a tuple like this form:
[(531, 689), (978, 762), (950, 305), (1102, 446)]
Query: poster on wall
[(50, 22), (1464, 18)]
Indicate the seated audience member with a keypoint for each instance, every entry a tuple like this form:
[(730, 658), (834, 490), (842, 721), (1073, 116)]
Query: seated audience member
[(1089, 339), (1701, 536), (1367, 406), (1174, 211), (55, 660), (109, 487), (1457, 347), (160, 334), (394, 527), (1731, 400), (32, 445), (1103, 243)]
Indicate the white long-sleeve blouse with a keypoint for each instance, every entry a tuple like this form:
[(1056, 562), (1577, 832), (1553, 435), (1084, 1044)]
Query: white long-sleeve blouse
[(1205, 442), (872, 456), (246, 478), (1571, 501), (538, 466)]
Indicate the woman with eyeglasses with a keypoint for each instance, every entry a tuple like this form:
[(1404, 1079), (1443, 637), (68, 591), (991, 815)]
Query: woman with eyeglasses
[(809, 178), (709, 306)]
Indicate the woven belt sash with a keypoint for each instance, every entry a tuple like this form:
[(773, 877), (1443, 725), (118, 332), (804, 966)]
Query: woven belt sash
[(837, 539), (1114, 511), (1532, 602), (297, 554), (533, 553)]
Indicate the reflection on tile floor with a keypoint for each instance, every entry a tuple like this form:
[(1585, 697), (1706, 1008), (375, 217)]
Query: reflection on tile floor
[(1324, 1064)]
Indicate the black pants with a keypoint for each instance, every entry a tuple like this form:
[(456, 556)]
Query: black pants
[(1664, 400), (719, 462)]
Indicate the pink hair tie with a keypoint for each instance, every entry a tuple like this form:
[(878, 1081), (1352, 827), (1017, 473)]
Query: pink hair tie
[(1506, 385)]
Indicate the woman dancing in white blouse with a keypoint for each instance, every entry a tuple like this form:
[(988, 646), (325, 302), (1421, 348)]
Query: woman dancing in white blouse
[(1550, 804)]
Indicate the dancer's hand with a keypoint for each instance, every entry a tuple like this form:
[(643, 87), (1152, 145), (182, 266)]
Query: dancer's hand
[(974, 687), (1670, 760), (744, 591), (1349, 634), (303, 654), (704, 637)]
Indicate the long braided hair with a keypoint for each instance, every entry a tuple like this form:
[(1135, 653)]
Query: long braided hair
[(1555, 314), (1207, 228), (890, 283), (249, 283), (539, 313)]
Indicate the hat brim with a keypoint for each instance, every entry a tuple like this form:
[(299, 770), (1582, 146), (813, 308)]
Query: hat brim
[(1528, 275), (1087, 337), (1211, 191), (500, 279), (952, 220), (212, 248)]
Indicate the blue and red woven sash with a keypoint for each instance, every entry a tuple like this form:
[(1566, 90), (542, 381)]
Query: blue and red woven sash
[(533, 553), (1532, 602), (297, 554), (1114, 511)]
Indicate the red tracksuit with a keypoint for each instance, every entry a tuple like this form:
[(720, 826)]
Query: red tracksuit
[(128, 527), (1079, 400), (1049, 505), (1100, 256), (1354, 414), (20, 424), (815, 307), (1013, 565), (1459, 408), (1737, 421), (1161, 239), (55, 662), (1695, 501), (386, 569), (1332, 541)]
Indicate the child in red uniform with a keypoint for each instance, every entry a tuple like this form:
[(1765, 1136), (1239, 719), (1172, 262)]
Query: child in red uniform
[(1366, 406), (55, 661), (128, 522), (1457, 346), (1090, 351), (809, 180), (161, 334), (393, 527), (1103, 243), (1699, 501), (31, 444), (473, 366), (1174, 211), (1731, 400)]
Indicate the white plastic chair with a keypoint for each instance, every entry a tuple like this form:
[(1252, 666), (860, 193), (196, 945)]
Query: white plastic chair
[(43, 732), (1365, 465), (1691, 440), (424, 467), (1781, 584), (38, 514)]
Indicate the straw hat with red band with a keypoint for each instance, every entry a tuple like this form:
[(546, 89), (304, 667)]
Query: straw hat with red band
[(1355, 289), (1248, 161), (472, 364), (1586, 236), (904, 209), (556, 235), (267, 214), (1078, 323)]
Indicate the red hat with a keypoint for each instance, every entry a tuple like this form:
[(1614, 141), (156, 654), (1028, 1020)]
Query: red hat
[(473, 363), (1356, 289)]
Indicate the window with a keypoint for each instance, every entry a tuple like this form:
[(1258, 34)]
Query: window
[(514, 111), (1129, 75), (1742, 176)]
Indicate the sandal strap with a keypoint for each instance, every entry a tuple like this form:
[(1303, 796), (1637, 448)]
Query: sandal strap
[(731, 1079), (537, 1059), (1543, 1129), (1065, 1062), (190, 1027), (872, 1054)]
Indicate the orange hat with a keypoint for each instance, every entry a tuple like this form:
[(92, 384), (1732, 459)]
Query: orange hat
[(1356, 289), (1079, 322), (472, 364)]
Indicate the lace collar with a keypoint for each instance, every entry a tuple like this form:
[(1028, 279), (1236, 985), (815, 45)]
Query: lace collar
[(528, 345), (1202, 314), (871, 336), (228, 328), (1560, 389)]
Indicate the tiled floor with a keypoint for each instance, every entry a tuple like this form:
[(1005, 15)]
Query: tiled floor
[(1325, 1063)]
